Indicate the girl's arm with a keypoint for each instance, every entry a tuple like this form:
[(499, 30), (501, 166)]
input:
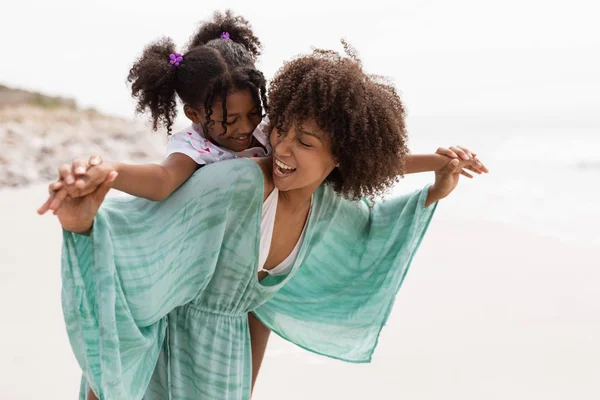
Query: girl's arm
[(151, 181), (154, 181), (416, 163)]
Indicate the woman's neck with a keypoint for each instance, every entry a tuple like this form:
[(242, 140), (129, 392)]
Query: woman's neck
[(297, 200)]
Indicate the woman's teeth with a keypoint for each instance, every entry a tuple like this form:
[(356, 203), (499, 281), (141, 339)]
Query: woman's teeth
[(284, 168)]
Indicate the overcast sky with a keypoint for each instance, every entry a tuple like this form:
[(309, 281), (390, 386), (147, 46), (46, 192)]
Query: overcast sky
[(461, 57)]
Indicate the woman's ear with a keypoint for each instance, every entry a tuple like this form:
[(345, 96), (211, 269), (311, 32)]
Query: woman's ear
[(193, 115)]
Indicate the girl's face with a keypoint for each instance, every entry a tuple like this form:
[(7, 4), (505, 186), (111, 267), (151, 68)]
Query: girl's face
[(302, 158), (243, 116)]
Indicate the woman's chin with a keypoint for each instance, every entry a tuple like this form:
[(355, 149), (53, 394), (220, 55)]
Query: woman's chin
[(282, 186)]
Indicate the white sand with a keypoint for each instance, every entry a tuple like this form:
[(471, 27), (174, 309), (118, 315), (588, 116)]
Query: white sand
[(486, 312)]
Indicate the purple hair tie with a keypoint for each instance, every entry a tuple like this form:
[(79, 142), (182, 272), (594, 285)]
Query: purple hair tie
[(225, 35), (175, 59)]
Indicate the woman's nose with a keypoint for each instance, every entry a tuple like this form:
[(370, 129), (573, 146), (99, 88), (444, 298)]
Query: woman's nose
[(283, 146)]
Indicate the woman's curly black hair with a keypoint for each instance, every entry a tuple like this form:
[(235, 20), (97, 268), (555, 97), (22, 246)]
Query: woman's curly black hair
[(211, 68), (362, 115)]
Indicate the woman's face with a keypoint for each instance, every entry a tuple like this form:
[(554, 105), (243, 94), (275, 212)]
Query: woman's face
[(302, 157), (243, 116)]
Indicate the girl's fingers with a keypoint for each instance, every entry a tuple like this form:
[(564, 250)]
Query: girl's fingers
[(95, 160), (460, 152), (78, 167), (481, 166), (467, 151), (446, 152)]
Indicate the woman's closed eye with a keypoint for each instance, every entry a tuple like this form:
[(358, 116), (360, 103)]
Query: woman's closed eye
[(302, 143)]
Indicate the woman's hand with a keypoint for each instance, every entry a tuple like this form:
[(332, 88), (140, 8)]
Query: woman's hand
[(77, 214), (77, 180), (447, 178)]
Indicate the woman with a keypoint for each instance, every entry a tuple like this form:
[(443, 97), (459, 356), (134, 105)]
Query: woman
[(156, 297)]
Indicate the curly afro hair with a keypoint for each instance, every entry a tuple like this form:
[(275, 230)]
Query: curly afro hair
[(362, 115), (211, 68), (243, 48)]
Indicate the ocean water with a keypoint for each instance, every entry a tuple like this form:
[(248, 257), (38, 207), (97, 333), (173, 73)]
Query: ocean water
[(488, 310), (543, 177)]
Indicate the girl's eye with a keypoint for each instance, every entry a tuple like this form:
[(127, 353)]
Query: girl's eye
[(233, 121), (304, 144)]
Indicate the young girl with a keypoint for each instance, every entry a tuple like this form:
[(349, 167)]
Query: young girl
[(223, 95)]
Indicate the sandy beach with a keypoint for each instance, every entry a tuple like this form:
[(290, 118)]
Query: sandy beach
[(488, 311), (502, 301)]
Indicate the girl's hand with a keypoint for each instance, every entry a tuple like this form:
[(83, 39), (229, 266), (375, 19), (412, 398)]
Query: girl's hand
[(462, 153), (79, 179)]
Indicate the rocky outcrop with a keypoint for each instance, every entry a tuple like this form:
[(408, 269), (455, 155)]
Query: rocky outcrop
[(38, 133)]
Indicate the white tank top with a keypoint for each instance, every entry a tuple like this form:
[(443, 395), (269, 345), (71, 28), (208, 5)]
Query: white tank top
[(267, 223)]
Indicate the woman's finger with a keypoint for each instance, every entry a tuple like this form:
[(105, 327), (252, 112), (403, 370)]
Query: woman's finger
[(58, 198), (80, 183), (103, 189), (45, 207), (54, 186), (471, 168), (452, 167), (64, 172), (89, 186), (465, 173), (456, 168)]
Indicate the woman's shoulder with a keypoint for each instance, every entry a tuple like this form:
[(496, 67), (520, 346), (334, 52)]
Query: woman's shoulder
[(241, 173), (266, 166), (228, 171), (221, 178)]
